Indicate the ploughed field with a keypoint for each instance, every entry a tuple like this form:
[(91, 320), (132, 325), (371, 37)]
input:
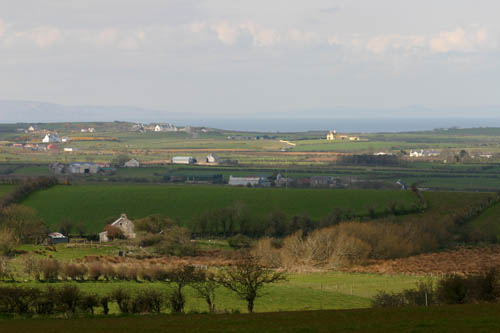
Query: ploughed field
[(451, 318), (94, 204)]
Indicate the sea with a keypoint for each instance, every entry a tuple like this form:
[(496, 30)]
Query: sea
[(365, 125)]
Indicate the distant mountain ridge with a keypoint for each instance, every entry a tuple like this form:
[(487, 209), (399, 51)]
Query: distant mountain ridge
[(342, 118)]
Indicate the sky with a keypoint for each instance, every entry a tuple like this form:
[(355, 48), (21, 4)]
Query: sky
[(239, 58)]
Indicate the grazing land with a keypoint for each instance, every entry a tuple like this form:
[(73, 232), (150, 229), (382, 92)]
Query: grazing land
[(94, 204), (451, 318)]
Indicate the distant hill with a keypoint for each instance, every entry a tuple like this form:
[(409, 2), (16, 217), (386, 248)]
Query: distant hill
[(40, 112)]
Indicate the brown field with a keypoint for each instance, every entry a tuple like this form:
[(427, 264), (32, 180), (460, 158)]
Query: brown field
[(462, 260), (455, 318)]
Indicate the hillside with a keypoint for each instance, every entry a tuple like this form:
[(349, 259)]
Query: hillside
[(93, 204)]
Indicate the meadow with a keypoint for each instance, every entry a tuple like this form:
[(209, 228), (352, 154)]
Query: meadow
[(95, 204)]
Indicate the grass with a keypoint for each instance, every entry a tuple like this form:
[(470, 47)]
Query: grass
[(455, 318), (487, 223), (94, 204), (4, 189), (308, 291)]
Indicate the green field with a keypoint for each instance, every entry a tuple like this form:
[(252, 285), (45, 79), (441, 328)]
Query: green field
[(455, 318), (487, 223), (311, 291), (4, 189), (93, 204)]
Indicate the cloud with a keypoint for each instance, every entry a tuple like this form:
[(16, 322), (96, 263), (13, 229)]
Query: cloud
[(262, 37), (227, 34), (42, 36), (3, 27), (303, 37), (460, 40), (386, 43)]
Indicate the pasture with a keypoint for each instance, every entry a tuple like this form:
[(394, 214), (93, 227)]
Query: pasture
[(95, 204)]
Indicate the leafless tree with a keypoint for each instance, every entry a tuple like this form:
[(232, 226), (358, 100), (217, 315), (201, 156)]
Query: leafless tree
[(248, 278)]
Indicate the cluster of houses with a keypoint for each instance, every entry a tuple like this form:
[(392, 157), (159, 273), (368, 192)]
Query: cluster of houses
[(334, 136), (282, 181), (165, 127), (424, 153)]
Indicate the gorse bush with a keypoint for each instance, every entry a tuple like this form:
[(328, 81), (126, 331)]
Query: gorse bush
[(452, 289)]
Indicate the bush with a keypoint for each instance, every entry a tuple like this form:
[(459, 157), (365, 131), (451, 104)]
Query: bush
[(5, 269), (122, 298), (95, 270), (239, 242), (7, 242), (68, 297), (88, 302), (148, 301), (50, 269), (74, 271), (114, 232), (177, 242), (150, 240)]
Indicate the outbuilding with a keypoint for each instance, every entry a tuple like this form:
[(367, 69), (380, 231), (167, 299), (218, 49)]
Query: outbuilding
[(133, 163), (57, 238)]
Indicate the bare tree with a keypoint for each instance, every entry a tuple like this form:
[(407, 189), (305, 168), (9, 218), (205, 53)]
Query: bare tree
[(248, 278), (205, 285)]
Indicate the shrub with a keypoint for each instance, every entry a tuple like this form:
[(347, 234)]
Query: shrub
[(5, 269), (68, 297), (50, 269), (105, 304), (239, 242), (114, 232), (95, 270), (7, 242), (74, 271), (122, 298), (148, 301), (88, 302), (150, 240), (177, 242)]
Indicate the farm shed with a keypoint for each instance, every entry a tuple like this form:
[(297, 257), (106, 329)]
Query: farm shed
[(244, 181), (83, 168), (124, 224), (183, 160), (133, 163), (57, 238)]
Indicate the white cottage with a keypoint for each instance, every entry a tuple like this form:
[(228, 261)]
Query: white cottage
[(124, 224), (51, 137)]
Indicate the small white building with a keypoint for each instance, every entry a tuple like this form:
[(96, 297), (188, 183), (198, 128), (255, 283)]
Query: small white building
[(133, 163), (183, 160), (331, 135), (51, 137), (70, 150), (31, 129), (212, 158), (158, 128), (65, 139)]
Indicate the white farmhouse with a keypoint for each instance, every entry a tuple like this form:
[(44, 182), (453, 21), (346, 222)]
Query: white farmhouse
[(124, 224), (51, 137), (158, 128)]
